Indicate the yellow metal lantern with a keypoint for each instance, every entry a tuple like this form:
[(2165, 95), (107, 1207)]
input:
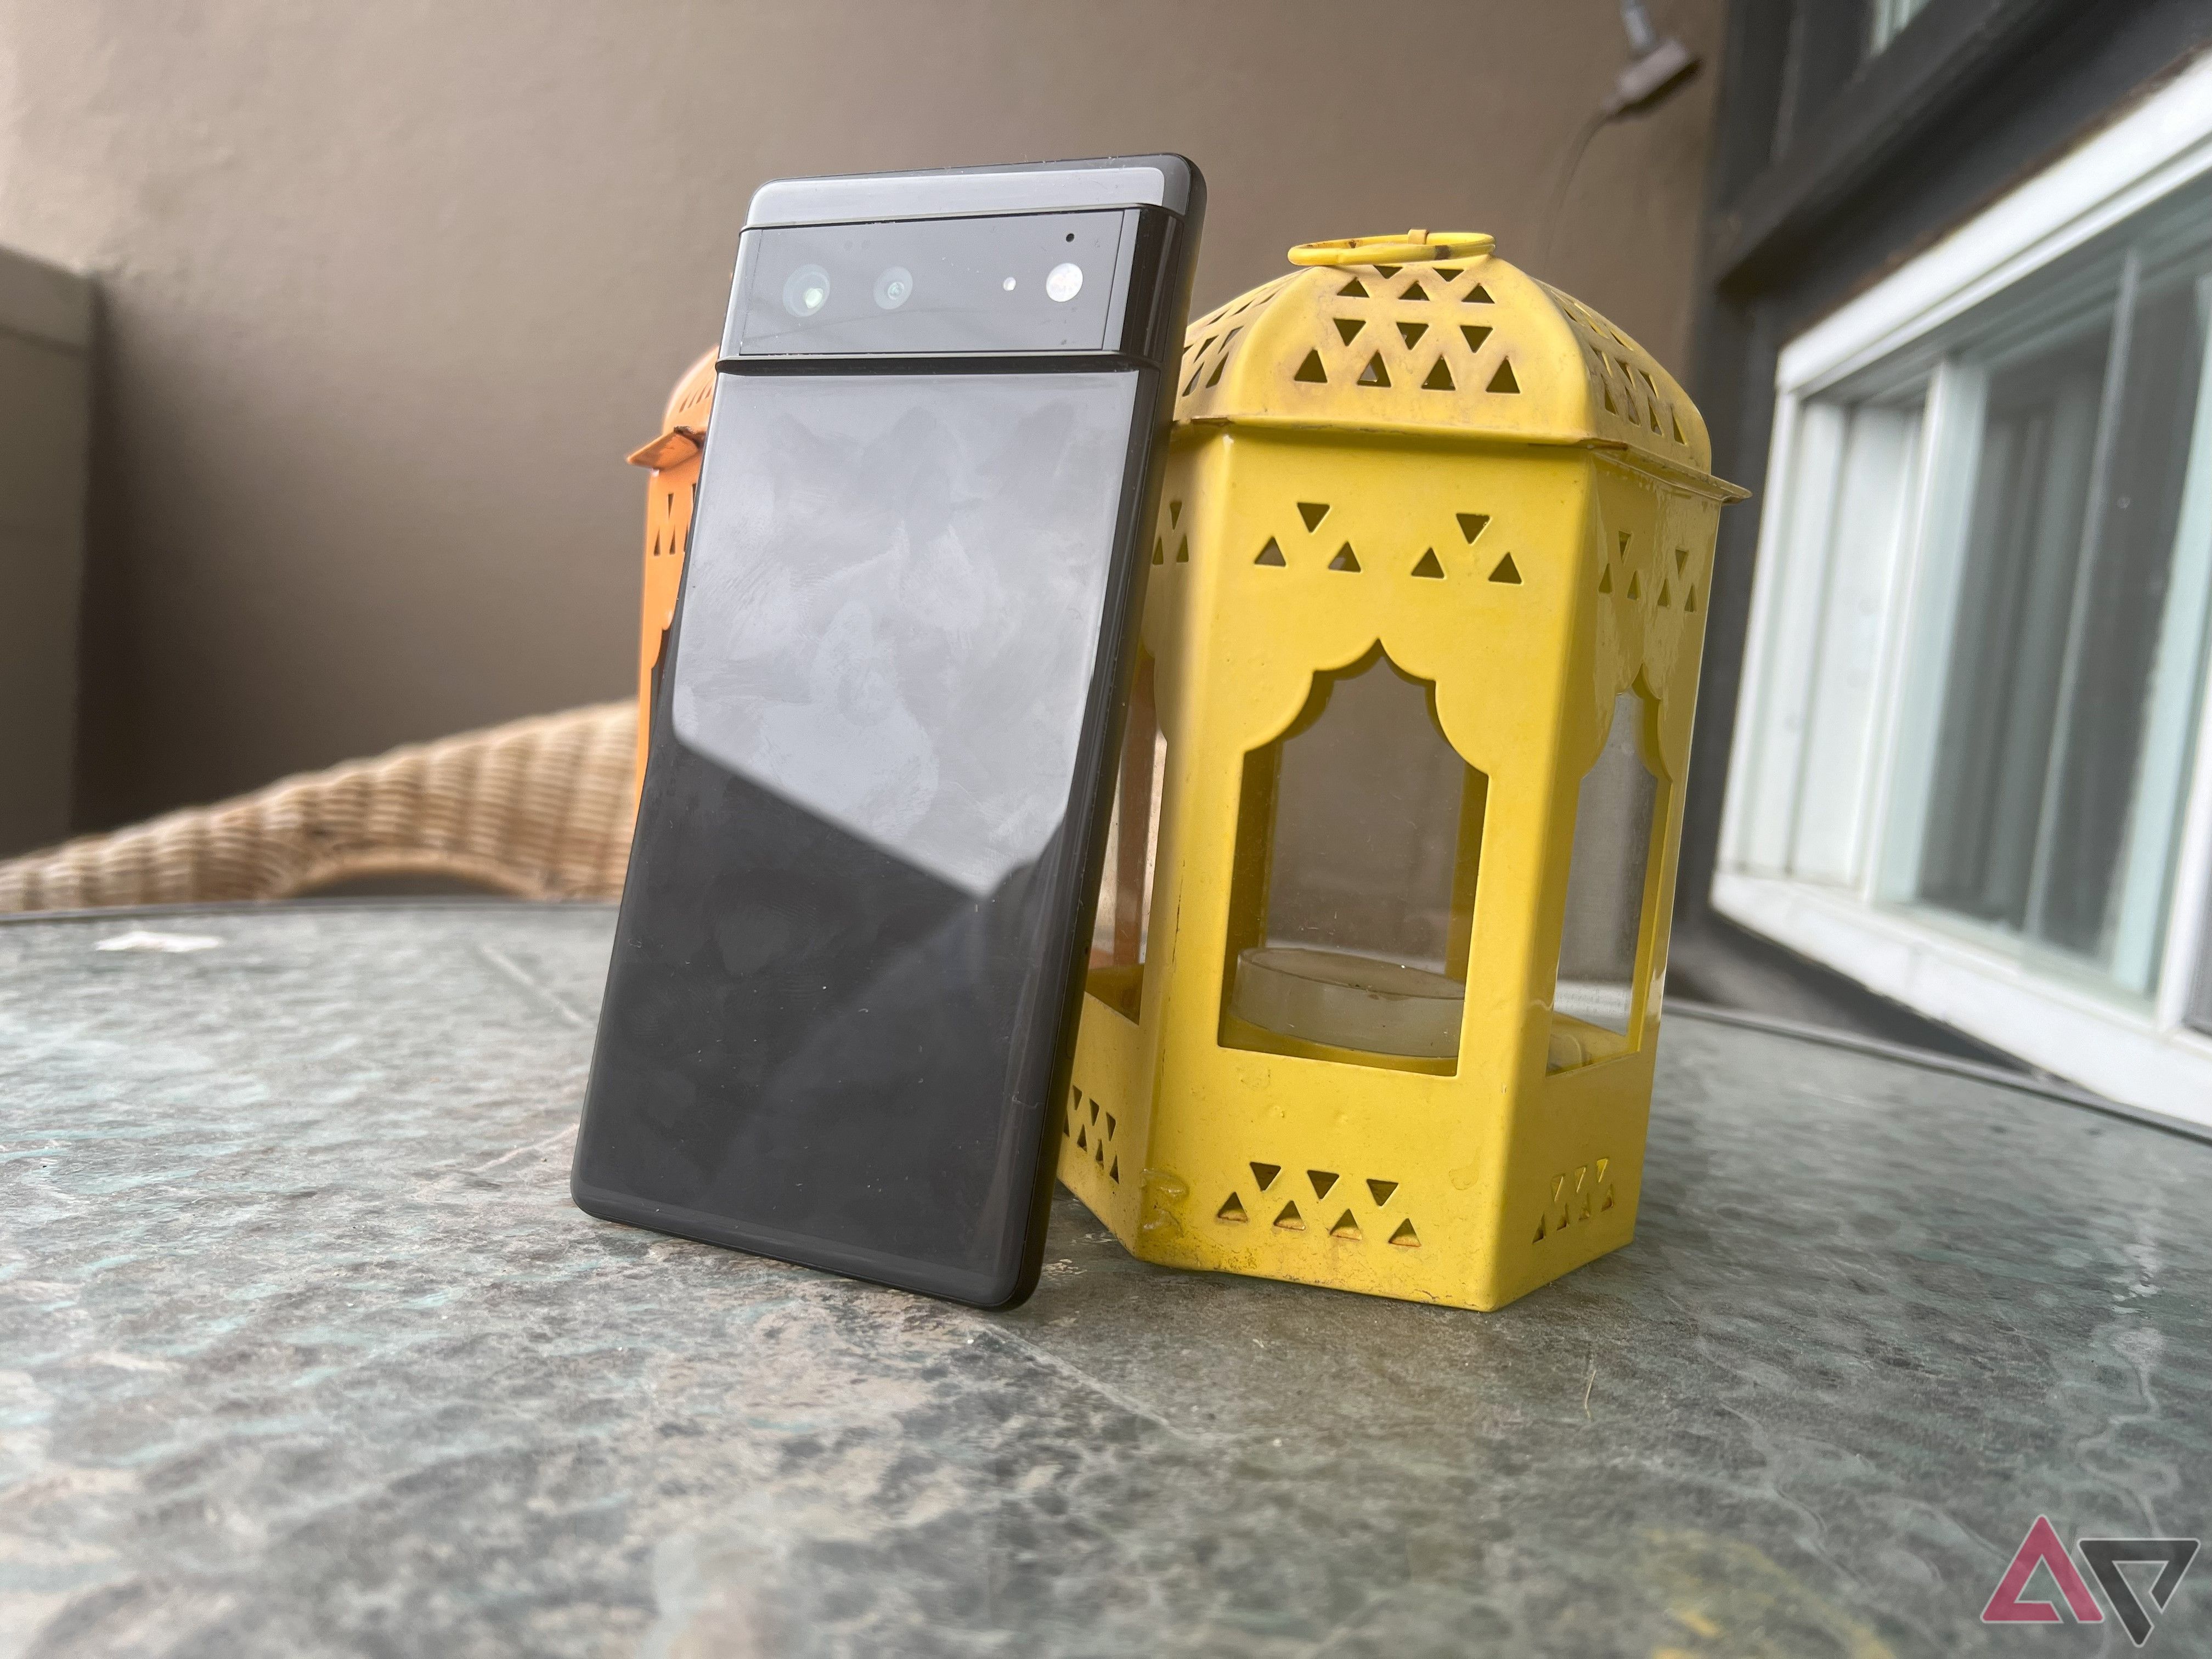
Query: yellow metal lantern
[(1376, 988)]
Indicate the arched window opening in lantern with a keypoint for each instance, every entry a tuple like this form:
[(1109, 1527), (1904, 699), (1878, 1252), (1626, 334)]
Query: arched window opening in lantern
[(1595, 1014), (1119, 936), (1352, 905)]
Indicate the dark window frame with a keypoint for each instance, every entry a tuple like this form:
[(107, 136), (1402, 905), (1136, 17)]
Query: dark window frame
[(1830, 166)]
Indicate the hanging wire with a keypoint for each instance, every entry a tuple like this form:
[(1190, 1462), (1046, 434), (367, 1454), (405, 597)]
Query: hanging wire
[(1588, 131), (1658, 67)]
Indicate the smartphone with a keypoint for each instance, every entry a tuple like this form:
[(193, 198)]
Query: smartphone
[(850, 961)]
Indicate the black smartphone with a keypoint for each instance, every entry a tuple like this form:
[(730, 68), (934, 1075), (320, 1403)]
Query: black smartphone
[(849, 962)]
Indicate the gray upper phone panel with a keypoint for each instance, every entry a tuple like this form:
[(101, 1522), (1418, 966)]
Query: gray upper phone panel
[(986, 284), (1142, 182)]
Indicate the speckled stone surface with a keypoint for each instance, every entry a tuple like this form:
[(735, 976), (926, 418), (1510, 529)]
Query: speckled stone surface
[(303, 1350)]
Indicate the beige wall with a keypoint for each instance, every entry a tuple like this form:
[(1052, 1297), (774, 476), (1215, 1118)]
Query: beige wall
[(388, 290)]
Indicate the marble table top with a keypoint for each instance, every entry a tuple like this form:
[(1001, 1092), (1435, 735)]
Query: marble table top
[(303, 1350)]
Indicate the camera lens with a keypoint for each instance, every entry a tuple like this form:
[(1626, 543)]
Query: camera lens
[(806, 290), (894, 286), (1064, 283)]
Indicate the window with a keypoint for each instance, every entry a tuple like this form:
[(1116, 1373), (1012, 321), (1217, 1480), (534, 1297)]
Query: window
[(1617, 807), (1972, 762), (2049, 814), (1122, 927), (1885, 21)]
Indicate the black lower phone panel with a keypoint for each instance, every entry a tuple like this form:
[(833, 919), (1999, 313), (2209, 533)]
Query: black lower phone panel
[(842, 971)]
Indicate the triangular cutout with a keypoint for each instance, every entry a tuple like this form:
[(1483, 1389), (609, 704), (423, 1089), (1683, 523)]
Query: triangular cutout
[(1675, 421), (1666, 592), (1313, 513), (1380, 1191), (1472, 524), (1450, 273), (1603, 1164), (1289, 1220), (1623, 552), (1608, 1200), (1411, 333), (1265, 1174), (1175, 513), (1345, 559), (1375, 374), (1270, 554), (1098, 1154), (1346, 1227), (1232, 1209), (1310, 370), (1083, 1139), (1191, 385), (1406, 1238), (1114, 1171), (1504, 380), (1477, 295), (1605, 580), (1607, 387), (1387, 270), (1348, 327), (1635, 586), (1351, 290), (1507, 571), (1474, 334), (1691, 604), (1429, 565), (1109, 1126), (1322, 1181), (1439, 379), (1159, 551), (1183, 551), (1539, 1238), (1681, 560), (1214, 379), (1414, 291), (1065, 1127), (1094, 1111)]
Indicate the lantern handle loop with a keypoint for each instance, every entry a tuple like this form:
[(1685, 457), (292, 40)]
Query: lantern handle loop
[(1414, 247)]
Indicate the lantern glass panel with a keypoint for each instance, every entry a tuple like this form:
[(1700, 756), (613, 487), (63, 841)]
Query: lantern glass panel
[(1121, 931), (1359, 835), (1618, 806)]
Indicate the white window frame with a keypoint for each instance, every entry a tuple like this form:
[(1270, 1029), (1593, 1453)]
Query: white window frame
[(2140, 1053)]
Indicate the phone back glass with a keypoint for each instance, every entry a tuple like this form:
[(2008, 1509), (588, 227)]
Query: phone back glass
[(849, 889)]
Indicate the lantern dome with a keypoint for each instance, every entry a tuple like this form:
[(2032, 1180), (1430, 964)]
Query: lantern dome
[(1433, 333)]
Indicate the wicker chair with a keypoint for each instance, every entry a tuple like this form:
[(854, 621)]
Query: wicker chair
[(538, 809)]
